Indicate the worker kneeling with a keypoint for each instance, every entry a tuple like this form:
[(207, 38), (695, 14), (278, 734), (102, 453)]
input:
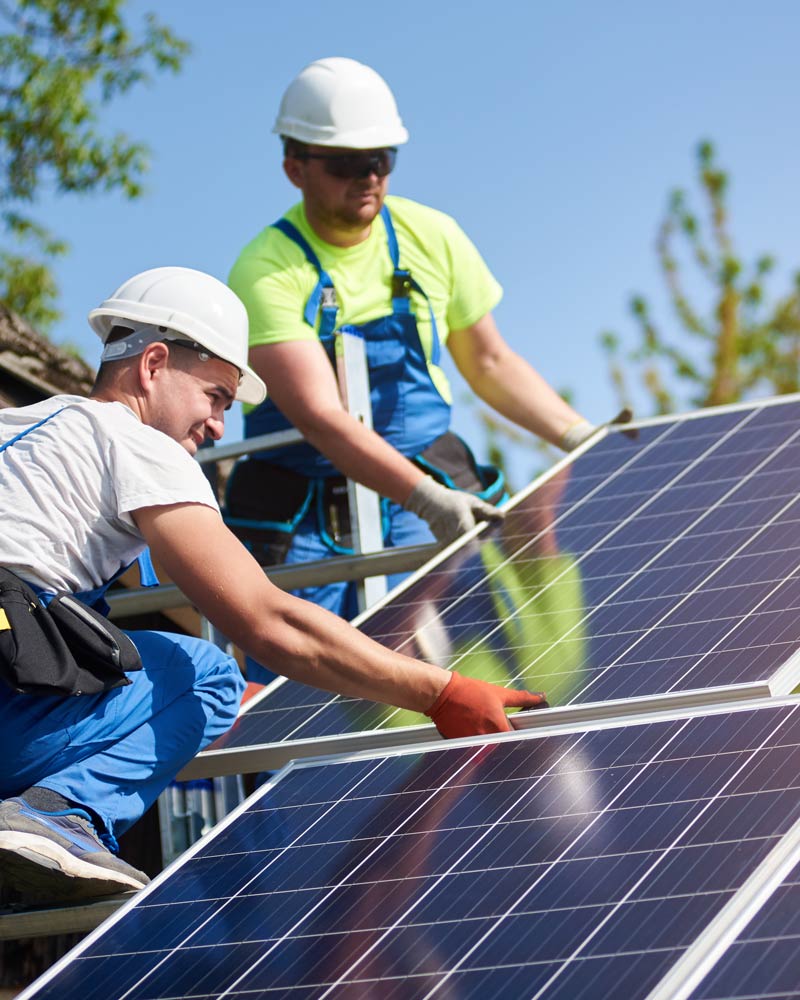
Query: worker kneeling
[(93, 726)]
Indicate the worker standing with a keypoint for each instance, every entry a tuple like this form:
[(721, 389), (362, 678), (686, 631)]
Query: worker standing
[(94, 723), (407, 279)]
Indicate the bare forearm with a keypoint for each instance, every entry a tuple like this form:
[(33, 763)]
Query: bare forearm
[(305, 642), (504, 380), (517, 391), (363, 455), (308, 644), (303, 386)]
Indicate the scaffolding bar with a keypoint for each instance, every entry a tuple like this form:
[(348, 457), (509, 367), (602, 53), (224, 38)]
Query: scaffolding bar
[(264, 442), (356, 567), (19, 924)]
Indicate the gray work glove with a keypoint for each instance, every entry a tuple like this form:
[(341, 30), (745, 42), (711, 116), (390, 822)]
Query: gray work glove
[(449, 513), (583, 430)]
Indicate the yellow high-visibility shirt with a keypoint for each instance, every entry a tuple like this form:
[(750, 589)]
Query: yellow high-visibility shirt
[(274, 280)]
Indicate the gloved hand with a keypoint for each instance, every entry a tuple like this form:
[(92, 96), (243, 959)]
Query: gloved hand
[(581, 431), (449, 513), (469, 707)]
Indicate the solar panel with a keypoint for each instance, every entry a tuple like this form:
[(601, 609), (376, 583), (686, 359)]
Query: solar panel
[(764, 960), (571, 864), (662, 563)]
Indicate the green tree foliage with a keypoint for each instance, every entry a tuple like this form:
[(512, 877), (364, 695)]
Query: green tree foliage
[(61, 62), (743, 344)]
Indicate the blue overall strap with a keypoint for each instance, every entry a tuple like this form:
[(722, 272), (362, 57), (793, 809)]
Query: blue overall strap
[(147, 571), (403, 282), (96, 597), (324, 294), (29, 429)]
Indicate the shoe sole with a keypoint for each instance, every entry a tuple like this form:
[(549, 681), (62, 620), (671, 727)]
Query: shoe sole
[(37, 866)]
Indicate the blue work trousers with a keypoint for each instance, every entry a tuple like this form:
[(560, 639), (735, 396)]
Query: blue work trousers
[(115, 752)]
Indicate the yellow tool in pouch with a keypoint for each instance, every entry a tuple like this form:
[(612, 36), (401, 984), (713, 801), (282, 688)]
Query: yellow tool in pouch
[(5, 624)]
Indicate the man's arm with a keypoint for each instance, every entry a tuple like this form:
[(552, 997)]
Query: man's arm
[(504, 380), (305, 642), (295, 637), (303, 386)]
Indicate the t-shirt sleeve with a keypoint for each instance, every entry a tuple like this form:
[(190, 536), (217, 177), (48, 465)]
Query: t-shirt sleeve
[(474, 289), (149, 469), (274, 284)]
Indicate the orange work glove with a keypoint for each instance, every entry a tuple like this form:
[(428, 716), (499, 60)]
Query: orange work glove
[(469, 707)]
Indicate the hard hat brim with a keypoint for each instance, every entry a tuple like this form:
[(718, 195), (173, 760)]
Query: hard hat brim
[(377, 138)]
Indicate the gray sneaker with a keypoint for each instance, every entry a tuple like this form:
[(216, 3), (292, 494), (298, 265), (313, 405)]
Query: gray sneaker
[(58, 856)]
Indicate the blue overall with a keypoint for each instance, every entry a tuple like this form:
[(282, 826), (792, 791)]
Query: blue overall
[(116, 751), (407, 411)]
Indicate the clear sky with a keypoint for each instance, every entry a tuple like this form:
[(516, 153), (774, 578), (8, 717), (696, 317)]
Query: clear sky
[(553, 132)]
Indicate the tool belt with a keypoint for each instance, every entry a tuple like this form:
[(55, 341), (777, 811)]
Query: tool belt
[(264, 503), (62, 648)]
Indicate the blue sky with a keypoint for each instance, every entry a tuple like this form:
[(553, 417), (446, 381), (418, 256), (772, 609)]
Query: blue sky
[(553, 132)]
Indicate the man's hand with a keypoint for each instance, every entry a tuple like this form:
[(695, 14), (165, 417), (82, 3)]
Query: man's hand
[(469, 707), (583, 430), (449, 513)]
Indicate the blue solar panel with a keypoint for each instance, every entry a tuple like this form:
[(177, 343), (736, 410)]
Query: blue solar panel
[(764, 961), (665, 563), (573, 865)]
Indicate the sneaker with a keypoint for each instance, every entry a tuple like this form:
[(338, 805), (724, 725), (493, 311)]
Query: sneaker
[(58, 856)]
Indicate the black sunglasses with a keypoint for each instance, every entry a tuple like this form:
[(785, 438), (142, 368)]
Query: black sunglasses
[(350, 166)]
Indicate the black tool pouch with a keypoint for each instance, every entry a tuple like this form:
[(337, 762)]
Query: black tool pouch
[(450, 461), (262, 505), (66, 648)]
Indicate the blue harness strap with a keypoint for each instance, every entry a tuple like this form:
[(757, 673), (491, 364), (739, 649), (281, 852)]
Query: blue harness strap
[(324, 295), (30, 429), (408, 409), (403, 283)]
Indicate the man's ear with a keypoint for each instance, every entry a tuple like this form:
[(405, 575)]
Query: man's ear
[(293, 168), (152, 363)]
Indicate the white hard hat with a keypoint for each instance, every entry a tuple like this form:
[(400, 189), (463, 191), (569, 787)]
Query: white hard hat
[(340, 102), (190, 303)]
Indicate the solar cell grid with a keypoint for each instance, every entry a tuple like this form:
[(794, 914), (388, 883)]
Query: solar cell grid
[(643, 567), (764, 961), (565, 866)]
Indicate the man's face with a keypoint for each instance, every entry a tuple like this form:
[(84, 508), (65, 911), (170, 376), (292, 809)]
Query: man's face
[(191, 398), (346, 204)]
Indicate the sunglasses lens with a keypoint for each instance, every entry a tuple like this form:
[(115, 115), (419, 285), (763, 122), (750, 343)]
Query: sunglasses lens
[(358, 165)]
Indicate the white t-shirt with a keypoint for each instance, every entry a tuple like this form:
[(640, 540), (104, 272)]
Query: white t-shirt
[(67, 489)]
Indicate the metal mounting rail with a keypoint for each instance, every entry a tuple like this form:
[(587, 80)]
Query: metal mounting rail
[(271, 756)]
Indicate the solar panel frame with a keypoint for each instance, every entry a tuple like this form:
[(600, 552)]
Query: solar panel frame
[(273, 756), (764, 959), (711, 945), (250, 753), (713, 939)]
